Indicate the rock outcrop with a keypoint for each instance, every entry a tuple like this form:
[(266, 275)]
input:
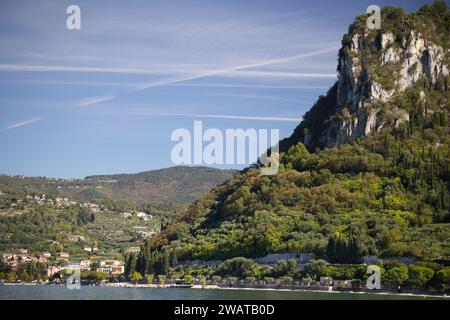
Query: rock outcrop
[(359, 89), (374, 67)]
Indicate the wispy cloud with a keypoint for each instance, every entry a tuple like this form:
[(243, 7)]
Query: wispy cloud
[(133, 85), (22, 123), (252, 86), (222, 71), (216, 116), (49, 68), (278, 74), (259, 97), (158, 71), (69, 83), (235, 117), (234, 71), (235, 68)]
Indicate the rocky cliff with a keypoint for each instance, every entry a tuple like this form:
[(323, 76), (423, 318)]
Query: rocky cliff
[(374, 68)]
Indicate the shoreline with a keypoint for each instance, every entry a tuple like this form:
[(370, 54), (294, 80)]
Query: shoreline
[(212, 287), (381, 293), (216, 287)]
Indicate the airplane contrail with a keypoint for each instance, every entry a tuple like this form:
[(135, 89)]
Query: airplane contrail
[(217, 116), (94, 100), (21, 124), (222, 116), (230, 69), (153, 84)]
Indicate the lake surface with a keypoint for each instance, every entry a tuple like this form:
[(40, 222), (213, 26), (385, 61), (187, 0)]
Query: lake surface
[(114, 293)]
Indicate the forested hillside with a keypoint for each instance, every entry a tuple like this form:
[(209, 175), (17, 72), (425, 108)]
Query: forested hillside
[(366, 173)]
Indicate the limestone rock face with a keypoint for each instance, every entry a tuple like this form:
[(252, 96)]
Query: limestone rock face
[(372, 69)]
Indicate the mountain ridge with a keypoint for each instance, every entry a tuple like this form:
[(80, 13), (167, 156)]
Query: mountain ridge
[(177, 185)]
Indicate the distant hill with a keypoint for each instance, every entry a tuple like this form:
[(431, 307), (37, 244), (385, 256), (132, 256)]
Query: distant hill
[(176, 185)]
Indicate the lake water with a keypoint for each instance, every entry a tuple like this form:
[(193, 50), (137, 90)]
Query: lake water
[(114, 293)]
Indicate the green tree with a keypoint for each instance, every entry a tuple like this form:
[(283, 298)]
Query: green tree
[(100, 276), (136, 277), (161, 279), (315, 268), (202, 280), (298, 156), (387, 145), (85, 216), (419, 277), (174, 259), (238, 267), (231, 280), (149, 279), (24, 276), (165, 263), (130, 264), (188, 279), (95, 265), (11, 277), (356, 284), (396, 276), (250, 280), (346, 250), (286, 280), (443, 279), (285, 267), (269, 280)]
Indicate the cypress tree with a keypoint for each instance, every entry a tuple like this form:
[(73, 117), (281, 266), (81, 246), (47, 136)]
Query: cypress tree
[(386, 145), (331, 249), (174, 259), (150, 263), (432, 171), (444, 119), (165, 263), (130, 264)]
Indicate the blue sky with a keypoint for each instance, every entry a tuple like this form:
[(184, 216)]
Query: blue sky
[(106, 98)]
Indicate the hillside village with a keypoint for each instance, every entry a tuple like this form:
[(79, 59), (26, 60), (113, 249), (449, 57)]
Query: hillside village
[(13, 261), (80, 247)]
